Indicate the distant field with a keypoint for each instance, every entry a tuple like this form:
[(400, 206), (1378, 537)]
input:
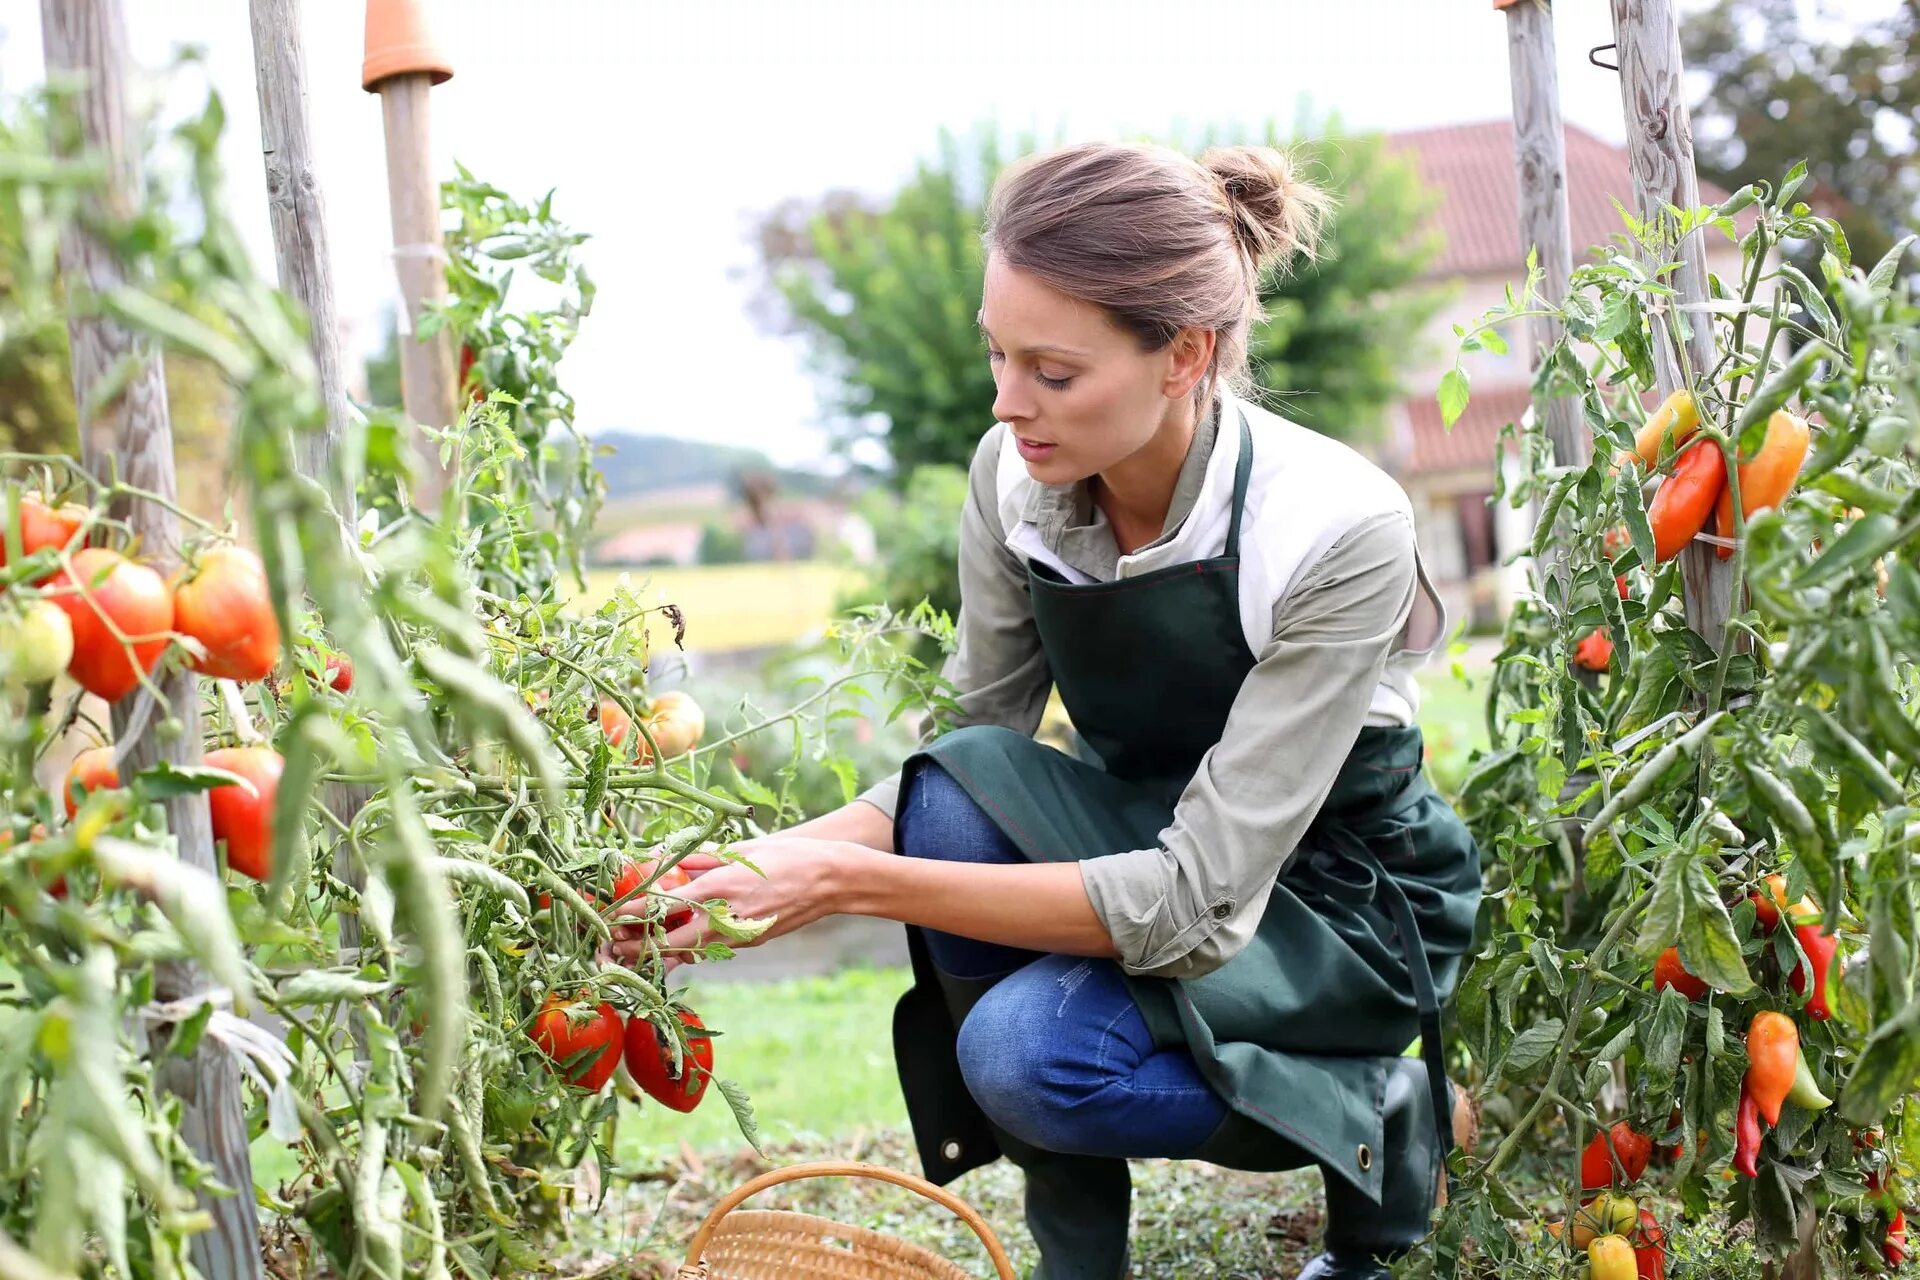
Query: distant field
[(730, 607)]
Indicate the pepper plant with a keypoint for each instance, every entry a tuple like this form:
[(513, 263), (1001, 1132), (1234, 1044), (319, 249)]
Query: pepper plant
[(1640, 968)]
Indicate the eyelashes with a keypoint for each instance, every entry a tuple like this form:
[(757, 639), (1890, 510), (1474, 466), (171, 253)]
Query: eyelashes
[(1051, 384)]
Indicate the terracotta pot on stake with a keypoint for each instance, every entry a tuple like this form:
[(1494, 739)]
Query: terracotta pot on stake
[(402, 64)]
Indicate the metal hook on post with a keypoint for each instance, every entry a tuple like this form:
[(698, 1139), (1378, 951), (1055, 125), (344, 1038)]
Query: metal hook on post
[(1593, 56)]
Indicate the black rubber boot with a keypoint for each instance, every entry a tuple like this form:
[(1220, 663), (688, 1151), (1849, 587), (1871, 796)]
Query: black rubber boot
[(1078, 1207), (1363, 1237)]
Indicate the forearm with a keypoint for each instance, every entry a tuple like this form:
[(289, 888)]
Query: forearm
[(1035, 906), (858, 823)]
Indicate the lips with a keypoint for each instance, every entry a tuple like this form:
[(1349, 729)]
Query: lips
[(1034, 449)]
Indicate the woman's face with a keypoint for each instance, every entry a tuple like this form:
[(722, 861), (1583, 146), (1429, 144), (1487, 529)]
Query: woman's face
[(1078, 395)]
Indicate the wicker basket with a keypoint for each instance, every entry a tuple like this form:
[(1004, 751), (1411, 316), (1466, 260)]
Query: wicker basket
[(765, 1244)]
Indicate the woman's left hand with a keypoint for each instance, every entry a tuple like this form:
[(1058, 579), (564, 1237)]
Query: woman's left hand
[(797, 883)]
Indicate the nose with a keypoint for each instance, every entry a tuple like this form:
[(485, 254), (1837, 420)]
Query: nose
[(1010, 403)]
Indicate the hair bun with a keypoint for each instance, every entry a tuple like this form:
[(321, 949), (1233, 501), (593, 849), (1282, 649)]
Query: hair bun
[(1276, 215)]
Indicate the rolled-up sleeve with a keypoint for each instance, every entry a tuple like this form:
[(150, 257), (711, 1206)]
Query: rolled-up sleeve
[(1187, 907), (998, 668)]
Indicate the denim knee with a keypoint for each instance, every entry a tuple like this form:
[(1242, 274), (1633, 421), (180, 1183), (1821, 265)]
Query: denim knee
[(1060, 1056), (940, 821)]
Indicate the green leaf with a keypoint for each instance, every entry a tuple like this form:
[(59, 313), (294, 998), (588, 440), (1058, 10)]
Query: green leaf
[(1887, 269), (1453, 395), (164, 779), (1666, 913), (186, 1035), (1707, 937), (1660, 1042), (1533, 1046), (1886, 1070), (1866, 540), (742, 1110), (324, 986)]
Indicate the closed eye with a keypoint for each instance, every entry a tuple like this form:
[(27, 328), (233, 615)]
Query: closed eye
[(1051, 384)]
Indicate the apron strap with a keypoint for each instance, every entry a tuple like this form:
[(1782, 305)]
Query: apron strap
[(1425, 1000), (1242, 471)]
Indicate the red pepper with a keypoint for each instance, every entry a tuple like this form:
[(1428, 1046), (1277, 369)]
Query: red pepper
[(1650, 1249), (1820, 948), (1595, 651), (1746, 1135), (1895, 1244), (1668, 971)]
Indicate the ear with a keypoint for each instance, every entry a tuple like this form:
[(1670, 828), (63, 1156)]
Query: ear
[(1192, 352)]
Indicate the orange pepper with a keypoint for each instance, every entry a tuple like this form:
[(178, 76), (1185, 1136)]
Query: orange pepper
[(1773, 1059), (1768, 478)]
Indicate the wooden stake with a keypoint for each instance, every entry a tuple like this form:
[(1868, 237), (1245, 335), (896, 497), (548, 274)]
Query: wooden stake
[(426, 368), (1660, 145), (299, 221), (131, 437), (306, 272), (1540, 159)]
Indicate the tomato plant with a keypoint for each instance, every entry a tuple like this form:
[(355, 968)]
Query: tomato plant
[(393, 820), (1646, 830)]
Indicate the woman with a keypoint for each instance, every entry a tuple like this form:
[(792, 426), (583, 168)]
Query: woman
[(1216, 937)]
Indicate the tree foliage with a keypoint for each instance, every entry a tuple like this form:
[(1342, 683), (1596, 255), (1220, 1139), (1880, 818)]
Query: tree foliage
[(885, 294)]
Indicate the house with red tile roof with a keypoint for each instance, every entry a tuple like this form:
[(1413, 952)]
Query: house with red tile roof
[(1450, 474)]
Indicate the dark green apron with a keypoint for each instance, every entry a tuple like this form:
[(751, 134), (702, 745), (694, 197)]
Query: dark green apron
[(1362, 936)]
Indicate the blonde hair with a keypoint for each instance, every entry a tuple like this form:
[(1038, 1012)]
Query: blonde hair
[(1159, 241)]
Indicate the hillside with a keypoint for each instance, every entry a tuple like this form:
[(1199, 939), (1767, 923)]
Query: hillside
[(643, 463)]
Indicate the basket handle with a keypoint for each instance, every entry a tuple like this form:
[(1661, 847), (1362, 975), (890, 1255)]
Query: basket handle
[(695, 1269)]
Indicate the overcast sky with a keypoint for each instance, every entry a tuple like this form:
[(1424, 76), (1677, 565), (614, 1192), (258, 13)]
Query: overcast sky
[(666, 127)]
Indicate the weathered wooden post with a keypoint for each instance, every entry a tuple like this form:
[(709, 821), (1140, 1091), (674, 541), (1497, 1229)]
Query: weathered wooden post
[(1660, 146), (1540, 161), (402, 66), (306, 272), (299, 219), (130, 436)]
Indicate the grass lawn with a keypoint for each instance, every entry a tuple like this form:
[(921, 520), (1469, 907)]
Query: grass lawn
[(814, 1054), (1453, 721), (729, 607)]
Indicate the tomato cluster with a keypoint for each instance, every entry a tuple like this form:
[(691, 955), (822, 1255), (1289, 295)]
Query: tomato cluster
[(585, 1041)]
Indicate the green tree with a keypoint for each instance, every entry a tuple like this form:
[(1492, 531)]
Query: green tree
[(885, 295), (920, 534), (720, 543), (1778, 92)]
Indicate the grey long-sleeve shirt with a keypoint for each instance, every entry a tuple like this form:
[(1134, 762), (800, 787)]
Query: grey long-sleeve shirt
[(1185, 907)]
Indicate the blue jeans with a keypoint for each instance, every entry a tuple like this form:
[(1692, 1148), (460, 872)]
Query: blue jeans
[(1057, 1053)]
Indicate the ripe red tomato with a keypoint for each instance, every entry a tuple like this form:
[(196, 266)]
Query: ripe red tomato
[(1633, 1150), (587, 1051), (339, 673), (41, 526), (224, 603), (91, 770), (650, 1063), (106, 585), (243, 814)]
